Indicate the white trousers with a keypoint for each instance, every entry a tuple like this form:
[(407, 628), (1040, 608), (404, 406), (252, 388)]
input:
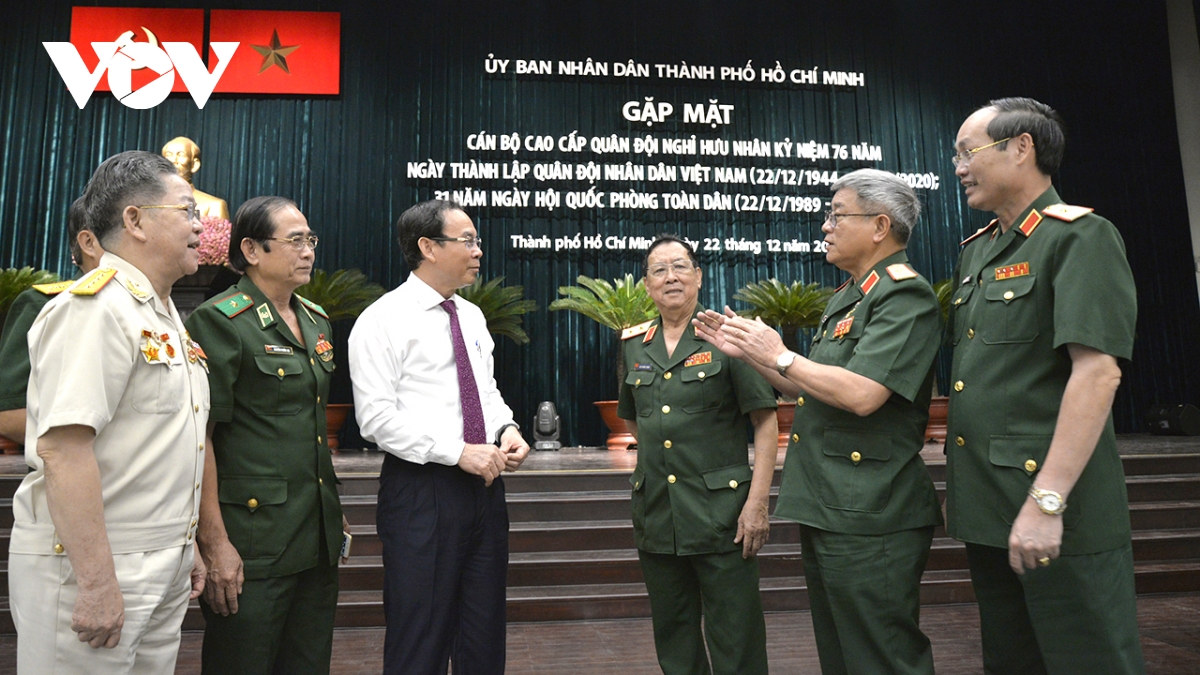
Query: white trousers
[(42, 591)]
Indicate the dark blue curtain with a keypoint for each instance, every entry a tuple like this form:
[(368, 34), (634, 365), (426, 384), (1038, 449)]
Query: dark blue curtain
[(414, 87)]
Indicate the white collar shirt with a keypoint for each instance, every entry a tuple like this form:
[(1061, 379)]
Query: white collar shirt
[(406, 393)]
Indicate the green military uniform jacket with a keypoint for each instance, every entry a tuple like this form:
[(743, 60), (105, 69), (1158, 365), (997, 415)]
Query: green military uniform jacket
[(276, 484), (1058, 276), (693, 472), (14, 349), (864, 475)]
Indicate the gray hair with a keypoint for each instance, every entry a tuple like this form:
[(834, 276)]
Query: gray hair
[(133, 177), (887, 193)]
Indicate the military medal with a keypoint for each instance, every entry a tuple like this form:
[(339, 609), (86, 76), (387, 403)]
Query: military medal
[(324, 349), (698, 359), (1011, 271), (165, 339), (150, 347), (842, 327)]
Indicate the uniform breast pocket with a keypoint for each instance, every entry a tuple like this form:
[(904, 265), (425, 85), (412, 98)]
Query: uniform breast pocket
[(641, 381), (856, 474), (279, 380), (159, 388), (1010, 311), (703, 387), (254, 510)]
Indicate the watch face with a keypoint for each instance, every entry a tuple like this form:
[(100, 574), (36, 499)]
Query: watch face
[(1051, 503)]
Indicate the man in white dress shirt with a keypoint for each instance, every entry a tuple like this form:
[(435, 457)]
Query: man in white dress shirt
[(424, 391), (104, 525)]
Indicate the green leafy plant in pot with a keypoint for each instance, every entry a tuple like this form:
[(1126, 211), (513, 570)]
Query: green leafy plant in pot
[(502, 306), (343, 294), (788, 307), (617, 305)]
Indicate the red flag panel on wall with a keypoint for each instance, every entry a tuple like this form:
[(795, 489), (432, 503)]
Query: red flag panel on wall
[(280, 52), (134, 24)]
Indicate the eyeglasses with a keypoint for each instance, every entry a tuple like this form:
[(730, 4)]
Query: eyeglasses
[(298, 242), (469, 242), (681, 268), (193, 211), (966, 156), (831, 217)]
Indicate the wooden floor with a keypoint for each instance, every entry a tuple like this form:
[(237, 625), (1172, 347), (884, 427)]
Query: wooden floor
[(1170, 627)]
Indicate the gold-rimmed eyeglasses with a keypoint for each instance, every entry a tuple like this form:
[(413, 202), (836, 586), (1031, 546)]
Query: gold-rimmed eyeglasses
[(193, 211), (298, 242), (966, 156), (681, 268)]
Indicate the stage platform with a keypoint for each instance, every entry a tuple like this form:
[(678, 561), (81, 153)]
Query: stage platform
[(576, 601)]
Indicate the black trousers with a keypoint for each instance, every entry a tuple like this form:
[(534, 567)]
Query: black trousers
[(445, 561)]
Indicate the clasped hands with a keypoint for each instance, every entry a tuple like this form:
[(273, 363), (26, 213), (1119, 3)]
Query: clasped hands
[(488, 461), (739, 337)]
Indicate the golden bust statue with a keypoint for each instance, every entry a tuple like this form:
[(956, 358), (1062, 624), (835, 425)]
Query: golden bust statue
[(185, 155)]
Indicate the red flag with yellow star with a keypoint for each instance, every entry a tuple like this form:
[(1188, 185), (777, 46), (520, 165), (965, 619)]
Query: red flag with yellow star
[(280, 52)]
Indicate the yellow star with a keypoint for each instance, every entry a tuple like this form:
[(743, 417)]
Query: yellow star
[(274, 54)]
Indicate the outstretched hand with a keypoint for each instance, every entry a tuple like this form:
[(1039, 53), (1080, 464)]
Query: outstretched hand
[(708, 325)]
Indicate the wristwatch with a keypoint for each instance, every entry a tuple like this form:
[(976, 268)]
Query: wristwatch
[(1050, 502), (785, 361)]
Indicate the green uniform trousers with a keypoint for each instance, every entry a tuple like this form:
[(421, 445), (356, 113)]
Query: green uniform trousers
[(283, 625), (865, 596), (1079, 615), (723, 589)]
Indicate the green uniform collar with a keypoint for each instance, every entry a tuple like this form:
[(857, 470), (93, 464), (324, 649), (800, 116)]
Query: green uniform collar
[(267, 319), (689, 343)]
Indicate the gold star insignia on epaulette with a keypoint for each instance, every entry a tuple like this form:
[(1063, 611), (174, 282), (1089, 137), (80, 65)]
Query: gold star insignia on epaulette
[(52, 289), (234, 304), (1066, 212), (900, 272), (92, 283), (634, 331)]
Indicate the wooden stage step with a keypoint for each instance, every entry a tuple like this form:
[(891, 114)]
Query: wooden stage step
[(571, 540)]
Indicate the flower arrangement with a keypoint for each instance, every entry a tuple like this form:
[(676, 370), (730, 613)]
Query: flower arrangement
[(214, 240)]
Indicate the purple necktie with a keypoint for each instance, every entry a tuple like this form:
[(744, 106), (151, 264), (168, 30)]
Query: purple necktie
[(474, 429)]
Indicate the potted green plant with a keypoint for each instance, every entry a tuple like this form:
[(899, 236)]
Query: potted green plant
[(790, 308), (14, 282), (343, 294), (617, 305), (502, 306)]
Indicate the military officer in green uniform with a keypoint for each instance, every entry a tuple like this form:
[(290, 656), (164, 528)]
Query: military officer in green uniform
[(699, 510), (271, 524), (14, 349), (1045, 306), (854, 478)]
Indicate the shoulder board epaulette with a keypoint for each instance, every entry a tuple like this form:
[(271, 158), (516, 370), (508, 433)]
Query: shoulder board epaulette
[(634, 331), (1067, 212), (978, 233), (312, 305), (93, 282), (900, 272), (234, 304), (52, 289)]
